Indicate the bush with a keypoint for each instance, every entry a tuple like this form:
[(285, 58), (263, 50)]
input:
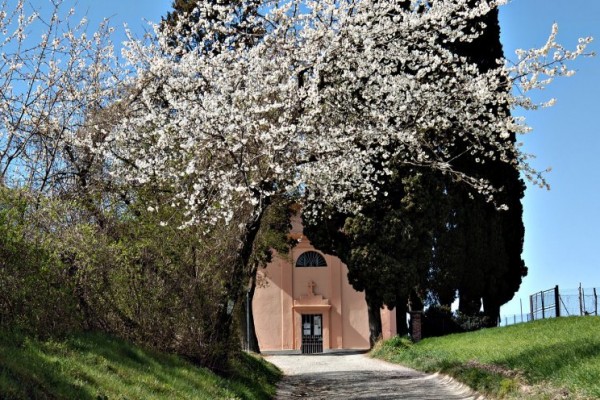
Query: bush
[(155, 285), (36, 288), (65, 267), (439, 321), (472, 322)]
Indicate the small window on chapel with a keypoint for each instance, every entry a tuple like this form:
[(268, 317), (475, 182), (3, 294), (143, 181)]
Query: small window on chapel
[(311, 259)]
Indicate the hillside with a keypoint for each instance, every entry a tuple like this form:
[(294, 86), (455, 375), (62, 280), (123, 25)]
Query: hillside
[(547, 359), (94, 366)]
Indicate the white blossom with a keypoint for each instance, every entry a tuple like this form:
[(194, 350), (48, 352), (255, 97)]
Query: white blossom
[(320, 106)]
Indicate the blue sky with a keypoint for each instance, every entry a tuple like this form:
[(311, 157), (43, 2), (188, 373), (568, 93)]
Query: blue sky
[(562, 240), (562, 243)]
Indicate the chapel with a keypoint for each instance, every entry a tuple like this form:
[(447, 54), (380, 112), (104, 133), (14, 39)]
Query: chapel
[(304, 303)]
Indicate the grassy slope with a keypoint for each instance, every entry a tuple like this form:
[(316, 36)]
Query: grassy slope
[(554, 358), (95, 366)]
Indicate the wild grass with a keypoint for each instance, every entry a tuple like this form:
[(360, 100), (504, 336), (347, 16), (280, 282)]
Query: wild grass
[(553, 358), (95, 366)]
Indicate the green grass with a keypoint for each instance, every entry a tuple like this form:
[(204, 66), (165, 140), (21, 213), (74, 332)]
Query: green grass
[(95, 366), (554, 358)]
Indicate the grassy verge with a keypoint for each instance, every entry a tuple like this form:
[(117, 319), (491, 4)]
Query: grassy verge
[(94, 366), (549, 359)]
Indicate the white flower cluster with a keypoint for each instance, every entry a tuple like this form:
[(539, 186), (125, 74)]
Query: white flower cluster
[(537, 68), (331, 94), (316, 98)]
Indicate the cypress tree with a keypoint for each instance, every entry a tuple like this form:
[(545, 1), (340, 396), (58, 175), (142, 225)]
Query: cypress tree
[(488, 267)]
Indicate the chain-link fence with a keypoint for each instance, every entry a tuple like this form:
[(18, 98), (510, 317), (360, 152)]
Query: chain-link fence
[(545, 304), (514, 319), (580, 301), (557, 302)]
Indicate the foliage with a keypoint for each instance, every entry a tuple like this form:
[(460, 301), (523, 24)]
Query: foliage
[(103, 163), (388, 246), (159, 285), (322, 105), (156, 285), (541, 359), (445, 242), (35, 285), (440, 320), (478, 250), (95, 366)]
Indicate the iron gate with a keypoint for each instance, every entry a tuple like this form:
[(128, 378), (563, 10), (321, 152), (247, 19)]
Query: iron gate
[(312, 333)]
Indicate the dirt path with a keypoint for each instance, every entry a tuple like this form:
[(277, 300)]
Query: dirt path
[(356, 376)]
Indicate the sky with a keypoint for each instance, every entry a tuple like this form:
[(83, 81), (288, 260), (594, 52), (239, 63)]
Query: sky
[(562, 240)]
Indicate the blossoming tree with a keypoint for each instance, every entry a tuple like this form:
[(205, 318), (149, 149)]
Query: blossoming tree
[(312, 98), (54, 73), (330, 95), (320, 105)]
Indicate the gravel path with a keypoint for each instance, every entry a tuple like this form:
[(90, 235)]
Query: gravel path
[(356, 376)]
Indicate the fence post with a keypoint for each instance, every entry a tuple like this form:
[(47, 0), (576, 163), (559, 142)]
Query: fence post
[(557, 300), (580, 302), (543, 305), (521, 302), (531, 307), (595, 302)]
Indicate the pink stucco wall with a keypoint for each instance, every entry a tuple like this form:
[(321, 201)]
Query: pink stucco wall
[(283, 295)]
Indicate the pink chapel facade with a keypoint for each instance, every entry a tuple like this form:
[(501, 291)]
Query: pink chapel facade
[(304, 303)]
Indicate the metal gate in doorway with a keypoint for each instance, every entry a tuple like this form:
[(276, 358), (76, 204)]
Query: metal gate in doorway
[(312, 333)]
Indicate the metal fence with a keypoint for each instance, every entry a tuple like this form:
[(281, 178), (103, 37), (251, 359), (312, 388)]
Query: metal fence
[(514, 319), (545, 304), (581, 301), (555, 302)]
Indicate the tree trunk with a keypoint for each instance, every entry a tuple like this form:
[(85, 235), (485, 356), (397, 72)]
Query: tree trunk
[(374, 312), (468, 304), (491, 309), (232, 297), (248, 336), (401, 310)]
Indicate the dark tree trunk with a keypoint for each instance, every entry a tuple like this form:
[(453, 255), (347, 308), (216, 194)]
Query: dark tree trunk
[(401, 311), (414, 301), (248, 336), (491, 309), (374, 312), (469, 305), (233, 295)]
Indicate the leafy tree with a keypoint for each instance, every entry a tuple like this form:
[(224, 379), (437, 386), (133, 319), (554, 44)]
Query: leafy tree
[(387, 247), (322, 105), (209, 125), (239, 29), (476, 248), (479, 252)]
